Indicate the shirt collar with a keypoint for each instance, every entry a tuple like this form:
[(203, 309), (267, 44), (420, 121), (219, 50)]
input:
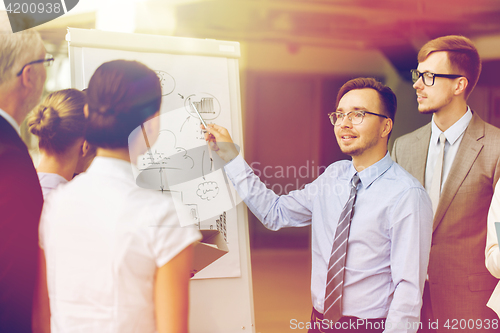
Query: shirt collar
[(455, 131), (51, 179), (112, 167), (370, 174), (10, 120)]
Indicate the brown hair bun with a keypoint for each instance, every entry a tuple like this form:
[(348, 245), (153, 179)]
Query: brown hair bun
[(44, 122), (59, 121)]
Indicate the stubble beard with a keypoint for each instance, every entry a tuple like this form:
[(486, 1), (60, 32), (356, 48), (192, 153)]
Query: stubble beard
[(352, 151), (436, 107), (357, 151), (427, 111)]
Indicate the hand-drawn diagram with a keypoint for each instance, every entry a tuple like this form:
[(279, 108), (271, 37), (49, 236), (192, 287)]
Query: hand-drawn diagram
[(208, 190), (167, 82), (157, 162), (170, 156), (166, 166), (207, 194), (221, 225), (178, 164), (207, 104)]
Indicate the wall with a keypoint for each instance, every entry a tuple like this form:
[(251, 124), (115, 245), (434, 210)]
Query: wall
[(287, 93)]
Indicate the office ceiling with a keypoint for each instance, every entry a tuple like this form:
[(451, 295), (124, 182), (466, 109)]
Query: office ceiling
[(396, 27), (346, 23)]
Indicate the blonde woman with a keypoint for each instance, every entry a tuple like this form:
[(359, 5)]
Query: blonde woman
[(59, 123)]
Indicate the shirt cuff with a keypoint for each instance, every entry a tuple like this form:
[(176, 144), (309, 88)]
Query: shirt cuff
[(236, 165)]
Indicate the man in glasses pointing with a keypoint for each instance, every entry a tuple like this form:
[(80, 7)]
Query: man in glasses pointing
[(371, 220), (457, 158)]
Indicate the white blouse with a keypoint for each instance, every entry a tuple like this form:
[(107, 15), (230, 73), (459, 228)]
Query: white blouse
[(104, 238), (49, 181)]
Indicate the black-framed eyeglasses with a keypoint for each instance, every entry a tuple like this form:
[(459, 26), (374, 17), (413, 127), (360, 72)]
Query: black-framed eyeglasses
[(428, 77), (355, 117), (49, 59)]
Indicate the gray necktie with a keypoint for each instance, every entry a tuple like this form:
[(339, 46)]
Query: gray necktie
[(435, 190), (335, 275)]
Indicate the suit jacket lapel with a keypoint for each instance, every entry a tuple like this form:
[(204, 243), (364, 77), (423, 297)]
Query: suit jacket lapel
[(466, 155), (419, 154)]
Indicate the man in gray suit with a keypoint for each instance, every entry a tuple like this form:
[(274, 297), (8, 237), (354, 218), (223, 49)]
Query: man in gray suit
[(457, 158)]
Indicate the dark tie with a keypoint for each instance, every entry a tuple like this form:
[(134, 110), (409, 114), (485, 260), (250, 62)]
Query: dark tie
[(335, 275)]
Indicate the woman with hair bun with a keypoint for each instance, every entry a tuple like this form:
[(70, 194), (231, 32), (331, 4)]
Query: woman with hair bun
[(117, 257), (59, 123)]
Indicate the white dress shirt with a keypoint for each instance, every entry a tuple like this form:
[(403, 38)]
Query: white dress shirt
[(454, 136), (104, 239)]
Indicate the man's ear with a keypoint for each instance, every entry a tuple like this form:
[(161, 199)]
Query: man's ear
[(461, 85), (26, 77), (387, 129)]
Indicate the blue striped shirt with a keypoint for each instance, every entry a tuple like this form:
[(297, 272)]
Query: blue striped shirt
[(389, 239)]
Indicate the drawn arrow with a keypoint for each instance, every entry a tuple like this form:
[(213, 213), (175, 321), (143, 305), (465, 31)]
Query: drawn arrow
[(185, 121), (202, 159)]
